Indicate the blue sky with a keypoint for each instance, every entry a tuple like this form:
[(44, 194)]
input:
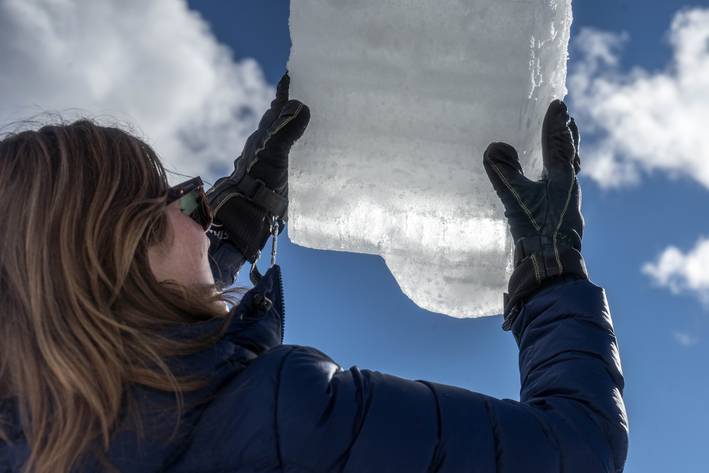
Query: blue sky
[(350, 306), (195, 84)]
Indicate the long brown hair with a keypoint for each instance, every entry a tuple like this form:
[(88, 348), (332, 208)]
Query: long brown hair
[(82, 316)]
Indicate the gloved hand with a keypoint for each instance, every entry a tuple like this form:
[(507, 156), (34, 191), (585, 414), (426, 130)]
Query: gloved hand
[(246, 203), (544, 216)]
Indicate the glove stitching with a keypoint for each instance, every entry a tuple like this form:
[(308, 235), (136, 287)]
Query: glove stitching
[(537, 271), (556, 253), (224, 201), (270, 134), (517, 197), (561, 220)]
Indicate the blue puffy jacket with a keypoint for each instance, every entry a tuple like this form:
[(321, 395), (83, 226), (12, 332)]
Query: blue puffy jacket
[(289, 408)]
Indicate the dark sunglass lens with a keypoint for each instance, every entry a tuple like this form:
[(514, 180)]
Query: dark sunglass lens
[(193, 201)]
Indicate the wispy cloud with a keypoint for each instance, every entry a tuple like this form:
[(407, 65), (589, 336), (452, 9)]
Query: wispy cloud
[(644, 121), (685, 339), (682, 272), (154, 64)]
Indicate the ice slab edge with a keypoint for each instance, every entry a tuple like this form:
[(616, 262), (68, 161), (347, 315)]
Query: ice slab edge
[(405, 96)]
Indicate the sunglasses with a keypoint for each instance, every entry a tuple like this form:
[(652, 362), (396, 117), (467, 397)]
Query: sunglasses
[(193, 201)]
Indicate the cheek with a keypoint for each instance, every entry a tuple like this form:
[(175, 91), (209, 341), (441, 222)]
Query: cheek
[(199, 242), (195, 245), (192, 240), (203, 248)]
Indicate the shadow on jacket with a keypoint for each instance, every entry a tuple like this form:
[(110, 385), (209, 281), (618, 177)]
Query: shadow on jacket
[(289, 408)]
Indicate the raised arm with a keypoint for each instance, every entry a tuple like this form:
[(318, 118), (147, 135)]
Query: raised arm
[(252, 202), (570, 417)]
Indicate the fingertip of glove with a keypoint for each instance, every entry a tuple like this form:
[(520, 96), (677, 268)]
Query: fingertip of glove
[(305, 111), (558, 105), (296, 108), (282, 87), (500, 152), (557, 113), (491, 150)]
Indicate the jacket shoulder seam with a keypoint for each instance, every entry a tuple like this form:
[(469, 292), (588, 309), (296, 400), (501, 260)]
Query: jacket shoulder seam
[(433, 464)]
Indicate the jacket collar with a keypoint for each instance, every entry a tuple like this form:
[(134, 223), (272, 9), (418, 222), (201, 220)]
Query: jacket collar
[(258, 320), (256, 327)]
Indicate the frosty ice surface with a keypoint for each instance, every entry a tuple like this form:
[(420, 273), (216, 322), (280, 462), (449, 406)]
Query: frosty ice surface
[(405, 97)]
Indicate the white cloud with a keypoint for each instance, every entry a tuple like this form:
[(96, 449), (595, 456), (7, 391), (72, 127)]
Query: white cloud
[(644, 121), (685, 339), (154, 64), (683, 272)]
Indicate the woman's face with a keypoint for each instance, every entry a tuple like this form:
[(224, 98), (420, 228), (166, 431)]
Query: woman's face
[(182, 258)]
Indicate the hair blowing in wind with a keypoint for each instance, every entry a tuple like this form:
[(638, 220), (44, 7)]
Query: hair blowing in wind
[(82, 318)]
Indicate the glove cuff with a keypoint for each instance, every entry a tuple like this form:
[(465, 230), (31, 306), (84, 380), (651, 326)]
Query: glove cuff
[(248, 227), (257, 192), (533, 271)]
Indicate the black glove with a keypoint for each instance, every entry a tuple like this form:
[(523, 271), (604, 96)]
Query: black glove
[(545, 216), (246, 203)]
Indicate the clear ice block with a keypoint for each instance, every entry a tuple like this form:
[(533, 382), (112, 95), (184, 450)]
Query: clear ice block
[(405, 96)]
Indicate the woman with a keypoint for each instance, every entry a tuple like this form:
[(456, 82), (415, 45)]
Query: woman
[(119, 352)]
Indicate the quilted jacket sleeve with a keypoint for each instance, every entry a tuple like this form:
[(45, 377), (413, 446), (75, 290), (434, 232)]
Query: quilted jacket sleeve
[(570, 417)]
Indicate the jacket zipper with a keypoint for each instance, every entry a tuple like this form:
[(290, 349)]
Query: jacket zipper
[(282, 305)]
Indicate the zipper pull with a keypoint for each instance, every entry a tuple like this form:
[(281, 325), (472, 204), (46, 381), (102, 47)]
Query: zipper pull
[(254, 275), (274, 241)]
